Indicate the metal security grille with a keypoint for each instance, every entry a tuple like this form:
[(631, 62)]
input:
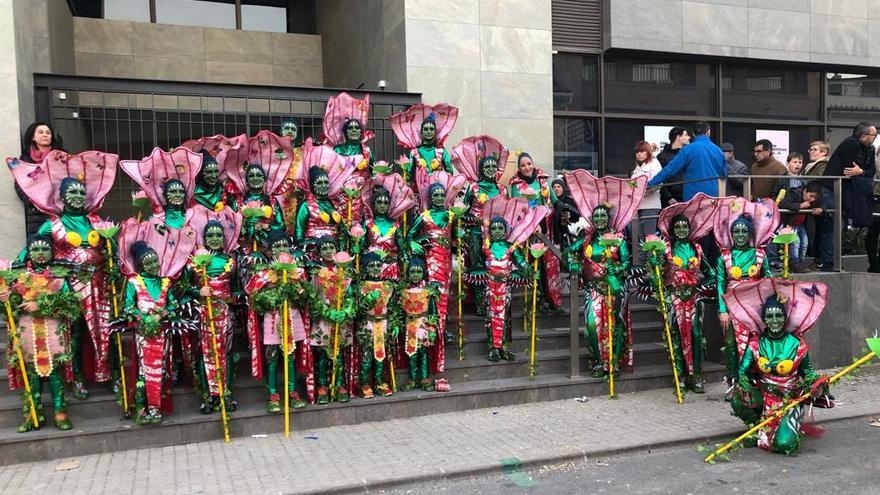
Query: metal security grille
[(577, 25), (131, 117)]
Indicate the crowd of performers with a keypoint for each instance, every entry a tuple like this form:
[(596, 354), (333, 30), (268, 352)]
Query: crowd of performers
[(340, 267)]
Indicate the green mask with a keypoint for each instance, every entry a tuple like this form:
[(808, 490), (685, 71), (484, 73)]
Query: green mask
[(214, 238), (429, 132), (150, 264), (416, 274), (210, 173), (600, 219), (280, 247), (327, 252), (289, 129), (741, 235), (774, 320), (681, 230), (438, 199), (353, 132), (40, 253), (175, 195), (490, 168), (321, 186), (498, 231), (256, 179), (75, 196), (381, 205), (374, 269)]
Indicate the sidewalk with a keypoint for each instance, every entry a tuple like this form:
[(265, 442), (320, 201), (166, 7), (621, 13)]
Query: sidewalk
[(377, 454)]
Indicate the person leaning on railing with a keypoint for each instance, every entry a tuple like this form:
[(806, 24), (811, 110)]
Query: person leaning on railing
[(854, 158)]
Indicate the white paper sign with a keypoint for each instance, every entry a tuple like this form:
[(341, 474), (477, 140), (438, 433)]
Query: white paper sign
[(779, 140)]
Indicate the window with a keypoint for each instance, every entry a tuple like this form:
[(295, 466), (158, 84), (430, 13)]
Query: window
[(195, 13), (659, 87), (770, 93), (262, 18), (575, 144), (126, 10), (575, 82), (853, 98)]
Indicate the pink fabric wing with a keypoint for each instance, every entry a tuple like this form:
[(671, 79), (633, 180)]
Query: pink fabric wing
[(522, 220), (624, 195), (275, 154), (402, 196), (764, 215), (804, 302), (41, 182), (174, 246), (453, 184), (407, 125), (153, 171), (232, 155), (198, 216), (212, 144), (466, 156), (325, 157), (700, 211), (341, 108)]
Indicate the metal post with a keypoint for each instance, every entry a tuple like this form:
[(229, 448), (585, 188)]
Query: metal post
[(238, 14), (838, 224), (747, 188), (574, 308), (722, 187), (153, 11)]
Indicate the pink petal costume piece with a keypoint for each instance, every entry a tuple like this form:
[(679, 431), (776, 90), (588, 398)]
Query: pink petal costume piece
[(154, 173), (425, 151), (76, 241), (385, 232), (225, 152), (149, 302), (344, 111), (606, 260)]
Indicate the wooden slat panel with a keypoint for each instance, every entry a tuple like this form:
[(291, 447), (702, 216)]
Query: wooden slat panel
[(577, 24)]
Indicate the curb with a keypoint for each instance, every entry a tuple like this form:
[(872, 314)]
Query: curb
[(485, 469)]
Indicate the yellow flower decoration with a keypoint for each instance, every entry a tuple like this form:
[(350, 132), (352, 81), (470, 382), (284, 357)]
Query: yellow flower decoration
[(94, 238), (435, 164), (545, 193), (267, 211), (362, 164), (324, 217), (272, 276), (736, 272), (218, 206), (753, 271), (694, 261), (228, 266), (785, 367), (588, 252), (677, 261), (337, 217), (422, 163), (763, 364), (74, 239), (483, 198)]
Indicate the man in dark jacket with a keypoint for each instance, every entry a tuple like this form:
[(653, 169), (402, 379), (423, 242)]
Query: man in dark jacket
[(734, 167), (678, 139), (854, 158)]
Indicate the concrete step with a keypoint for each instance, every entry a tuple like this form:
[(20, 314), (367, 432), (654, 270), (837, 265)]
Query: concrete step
[(109, 433)]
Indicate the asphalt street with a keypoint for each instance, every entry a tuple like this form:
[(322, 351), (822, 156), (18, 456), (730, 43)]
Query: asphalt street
[(843, 461)]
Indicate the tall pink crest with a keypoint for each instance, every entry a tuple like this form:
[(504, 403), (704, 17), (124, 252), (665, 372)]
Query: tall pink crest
[(324, 157), (452, 183), (624, 195), (402, 196), (340, 109), (466, 156), (764, 216), (522, 220), (212, 144), (152, 172), (700, 212), (804, 301), (198, 216), (173, 246), (407, 125)]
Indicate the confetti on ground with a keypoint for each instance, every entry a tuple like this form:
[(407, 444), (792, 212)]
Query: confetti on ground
[(67, 466)]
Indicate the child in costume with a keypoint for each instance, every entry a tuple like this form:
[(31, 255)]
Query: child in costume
[(610, 204), (43, 307), (168, 180), (742, 229), (378, 326), (773, 315), (268, 291), (151, 260), (344, 126), (390, 198), (418, 304), (532, 183), (212, 189), (292, 195), (483, 160), (213, 276), (422, 130), (71, 189)]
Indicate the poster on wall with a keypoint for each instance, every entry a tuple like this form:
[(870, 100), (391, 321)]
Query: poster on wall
[(779, 140), (659, 135)]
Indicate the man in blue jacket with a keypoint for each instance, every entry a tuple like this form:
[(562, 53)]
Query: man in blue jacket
[(702, 159)]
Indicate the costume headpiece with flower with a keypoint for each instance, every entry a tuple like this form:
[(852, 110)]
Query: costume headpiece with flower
[(402, 196), (763, 215), (152, 172), (174, 246), (624, 195), (407, 125), (198, 218), (341, 109), (522, 220), (469, 153), (326, 159), (700, 213), (453, 184), (803, 302)]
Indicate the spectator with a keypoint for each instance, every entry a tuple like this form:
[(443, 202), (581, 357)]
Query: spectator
[(805, 197), (871, 239), (794, 164), (765, 164), (650, 206), (678, 139), (38, 140), (734, 167), (818, 158), (854, 158), (701, 159)]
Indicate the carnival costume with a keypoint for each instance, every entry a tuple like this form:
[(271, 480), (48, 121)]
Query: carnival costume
[(292, 196), (150, 260), (433, 230), (422, 130), (378, 327), (685, 271), (742, 229), (282, 280), (418, 305), (322, 177), (483, 160), (508, 225), (389, 199), (537, 188), (213, 267), (773, 315), (43, 308), (610, 203), (168, 180), (344, 127), (212, 189), (71, 189)]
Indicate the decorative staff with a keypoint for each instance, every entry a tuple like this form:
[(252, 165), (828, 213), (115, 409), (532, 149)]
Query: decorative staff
[(526, 295), (108, 230), (609, 241), (4, 274), (200, 260), (458, 209), (342, 259), (537, 249), (873, 344), (786, 237), (656, 247)]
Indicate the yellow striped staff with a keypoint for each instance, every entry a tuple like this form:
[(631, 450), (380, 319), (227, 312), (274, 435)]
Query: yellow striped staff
[(285, 325), (873, 343), (342, 259), (108, 230), (458, 209), (17, 345), (655, 246), (609, 241), (537, 250), (201, 260)]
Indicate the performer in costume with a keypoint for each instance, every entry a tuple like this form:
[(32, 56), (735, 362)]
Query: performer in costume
[(212, 189), (378, 326), (71, 189), (742, 229), (418, 305), (773, 315), (321, 177), (610, 204), (532, 183), (389, 199), (512, 222), (344, 126), (267, 295), (423, 129), (684, 270), (433, 229), (217, 233), (151, 260), (483, 160), (43, 306), (168, 180), (292, 195)]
